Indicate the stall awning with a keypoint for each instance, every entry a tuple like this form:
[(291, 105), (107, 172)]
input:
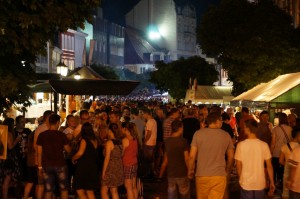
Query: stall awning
[(266, 92), (209, 94), (93, 87), (41, 87)]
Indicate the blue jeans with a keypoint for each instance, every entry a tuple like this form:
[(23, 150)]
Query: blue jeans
[(183, 185), (252, 194)]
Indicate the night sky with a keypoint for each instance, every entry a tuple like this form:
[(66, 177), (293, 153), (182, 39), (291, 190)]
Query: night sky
[(115, 10)]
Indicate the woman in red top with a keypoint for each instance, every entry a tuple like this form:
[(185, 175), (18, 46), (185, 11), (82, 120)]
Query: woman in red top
[(130, 161)]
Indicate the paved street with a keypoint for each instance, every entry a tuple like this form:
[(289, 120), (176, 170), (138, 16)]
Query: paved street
[(153, 189)]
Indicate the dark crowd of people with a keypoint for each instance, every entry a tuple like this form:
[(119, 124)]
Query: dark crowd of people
[(106, 148)]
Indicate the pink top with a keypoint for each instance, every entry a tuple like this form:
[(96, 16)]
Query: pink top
[(130, 153)]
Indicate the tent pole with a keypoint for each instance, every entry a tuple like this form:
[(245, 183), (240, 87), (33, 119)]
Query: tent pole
[(51, 99), (67, 105), (55, 102)]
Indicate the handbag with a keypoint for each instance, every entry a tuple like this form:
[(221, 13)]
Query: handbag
[(287, 138)]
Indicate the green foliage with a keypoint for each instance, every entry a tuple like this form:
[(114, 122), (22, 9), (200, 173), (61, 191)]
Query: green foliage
[(144, 85), (105, 71), (254, 42), (174, 77), (25, 27)]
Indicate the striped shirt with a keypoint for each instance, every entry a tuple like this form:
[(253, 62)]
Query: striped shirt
[(280, 139), (294, 162), (167, 129)]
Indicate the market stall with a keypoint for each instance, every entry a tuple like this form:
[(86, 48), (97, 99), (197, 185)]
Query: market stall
[(277, 95)]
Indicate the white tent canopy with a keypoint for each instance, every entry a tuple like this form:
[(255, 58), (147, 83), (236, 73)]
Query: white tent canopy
[(266, 92), (209, 94)]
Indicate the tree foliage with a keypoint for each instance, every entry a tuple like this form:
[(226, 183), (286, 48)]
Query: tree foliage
[(254, 42), (174, 77), (143, 78), (25, 27), (105, 71)]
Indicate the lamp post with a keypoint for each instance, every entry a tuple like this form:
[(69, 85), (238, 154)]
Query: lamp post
[(62, 69)]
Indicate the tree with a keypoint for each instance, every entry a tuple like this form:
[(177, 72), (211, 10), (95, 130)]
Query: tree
[(25, 27), (105, 71), (254, 42), (174, 77)]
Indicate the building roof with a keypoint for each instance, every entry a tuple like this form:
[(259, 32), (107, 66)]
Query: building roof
[(86, 72), (267, 92), (136, 46)]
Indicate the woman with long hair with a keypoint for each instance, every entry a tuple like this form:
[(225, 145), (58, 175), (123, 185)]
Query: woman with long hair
[(86, 178), (10, 169), (130, 158), (112, 172)]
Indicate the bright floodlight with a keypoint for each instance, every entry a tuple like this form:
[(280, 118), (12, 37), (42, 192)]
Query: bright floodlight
[(154, 35), (153, 32)]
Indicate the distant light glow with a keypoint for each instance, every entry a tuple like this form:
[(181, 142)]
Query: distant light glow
[(153, 32), (154, 35), (77, 76)]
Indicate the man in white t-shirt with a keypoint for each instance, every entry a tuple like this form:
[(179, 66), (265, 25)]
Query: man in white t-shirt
[(149, 142), (250, 156), (294, 182)]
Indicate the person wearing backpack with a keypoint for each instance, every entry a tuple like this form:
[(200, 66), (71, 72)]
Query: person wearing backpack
[(285, 154)]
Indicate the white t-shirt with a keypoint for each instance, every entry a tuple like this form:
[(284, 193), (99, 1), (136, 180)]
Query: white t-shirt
[(252, 153), (151, 126), (294, 161)]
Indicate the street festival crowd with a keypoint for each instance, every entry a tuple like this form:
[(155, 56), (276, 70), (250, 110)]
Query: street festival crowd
[(105, 148)]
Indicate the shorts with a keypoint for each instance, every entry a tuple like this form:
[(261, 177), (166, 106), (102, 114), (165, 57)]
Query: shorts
[(259, 194), (149, 152), (130, 171), (32, 175), (55, 175)]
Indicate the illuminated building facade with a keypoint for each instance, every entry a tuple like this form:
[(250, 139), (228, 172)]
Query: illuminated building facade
[(106, 45), (170, 27)]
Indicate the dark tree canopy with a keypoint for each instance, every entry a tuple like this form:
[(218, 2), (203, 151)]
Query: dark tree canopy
[(105, 71), (25, 27), (174, 77), (254, 42)]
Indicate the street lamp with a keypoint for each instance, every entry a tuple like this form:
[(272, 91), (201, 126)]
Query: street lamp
[(62, 69), (77, 76)]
